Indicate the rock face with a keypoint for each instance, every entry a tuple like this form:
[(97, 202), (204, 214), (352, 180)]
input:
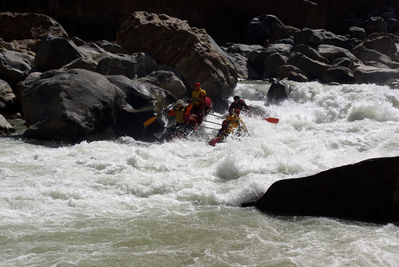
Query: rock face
[(366, 191), (190, 50), (67, 105)]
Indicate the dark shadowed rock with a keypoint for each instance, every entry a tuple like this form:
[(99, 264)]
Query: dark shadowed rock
[(316, 37), (383, 44), (55, 52), (69, 105), (243, 49), (393, 25), (91, 50), (312, 68), (309, 52), (338, 74), (8, 103), (285, 32), (291, 73), (357, 32), (271, 63), (133, 65), (261, 28), (111, 47), (5, 127), (86, 63), (240, 64), (14, 66), (367, 55), (366, 191), (191, 51), (332, 52), (343, 62), (257, 58), (375, 24), (277, 92)]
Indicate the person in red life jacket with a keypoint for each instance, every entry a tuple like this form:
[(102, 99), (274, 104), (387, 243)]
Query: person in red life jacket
[(198, 100), (237, 106)]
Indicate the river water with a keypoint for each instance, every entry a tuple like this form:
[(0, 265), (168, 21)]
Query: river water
[(130, 203)]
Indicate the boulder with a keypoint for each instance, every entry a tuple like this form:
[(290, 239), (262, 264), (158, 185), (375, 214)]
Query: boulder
[(5, 127), (332, 52), (357, 32), (91, 50), (375, 24), (14, 66), (291, 73), (55, 52), (23, 30), (393, 26), (243, 49), (271, 63), (312, 68), (369, 74), (85, 63), (383, 44), (343, 62), (277, 92), (285, 32), (365, 191), (309, 52), (141, 100), (111, 47), (257, 57), (191, 51), (68, 105), (166, 80), (8, 103), (339, 75), (261, 28), (134, 65), (240, 64), (366, 55), (316, 37)]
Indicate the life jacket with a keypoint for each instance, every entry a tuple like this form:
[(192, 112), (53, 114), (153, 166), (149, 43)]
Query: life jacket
[(198, 96), (181, 113), (234, 123)]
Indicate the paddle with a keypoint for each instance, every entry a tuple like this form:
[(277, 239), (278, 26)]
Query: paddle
[(271, 120), (150, 121)]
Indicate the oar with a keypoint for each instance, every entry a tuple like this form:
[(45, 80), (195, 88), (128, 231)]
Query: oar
[(150, 121), (271, 120)]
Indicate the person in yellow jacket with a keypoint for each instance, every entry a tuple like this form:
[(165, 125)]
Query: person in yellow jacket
[(198, 99)]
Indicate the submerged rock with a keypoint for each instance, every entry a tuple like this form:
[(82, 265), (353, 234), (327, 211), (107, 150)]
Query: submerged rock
[(365, 191)]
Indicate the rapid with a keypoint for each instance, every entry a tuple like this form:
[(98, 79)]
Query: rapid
[(131, 203)]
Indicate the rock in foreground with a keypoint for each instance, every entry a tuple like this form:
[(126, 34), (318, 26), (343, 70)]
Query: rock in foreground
[(366, 191)]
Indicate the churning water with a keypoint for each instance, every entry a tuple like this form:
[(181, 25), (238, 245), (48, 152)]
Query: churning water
[(129, 203)]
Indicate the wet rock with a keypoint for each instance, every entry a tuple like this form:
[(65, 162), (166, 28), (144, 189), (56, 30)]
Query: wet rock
[(261, 28), (69, 105), (277, 92), (55, 52), (14, 66), (365, 191), (5, 127), (312, 68), (191, 51), (8, 103)]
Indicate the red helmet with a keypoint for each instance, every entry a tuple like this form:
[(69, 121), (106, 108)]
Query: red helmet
[(197, 84)]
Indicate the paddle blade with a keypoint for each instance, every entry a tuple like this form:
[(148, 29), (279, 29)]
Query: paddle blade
[(271, 120), (149, 121)]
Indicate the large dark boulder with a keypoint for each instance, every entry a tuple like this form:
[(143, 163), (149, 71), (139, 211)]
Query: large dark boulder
[(291, 73), (357, 32), (55, 52), (365, 191), (167, 80), (309, 52), (8, 104), (271, 63), (375, 24), (366, 55), (69, 105), (338, 75), (277, 92), (261, 28), (371, 74), (316, 37), (14, 66), (312, 68), (332, 52), (175, 43)]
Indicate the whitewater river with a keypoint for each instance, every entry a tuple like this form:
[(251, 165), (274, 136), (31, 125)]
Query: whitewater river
[(129, 203)]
